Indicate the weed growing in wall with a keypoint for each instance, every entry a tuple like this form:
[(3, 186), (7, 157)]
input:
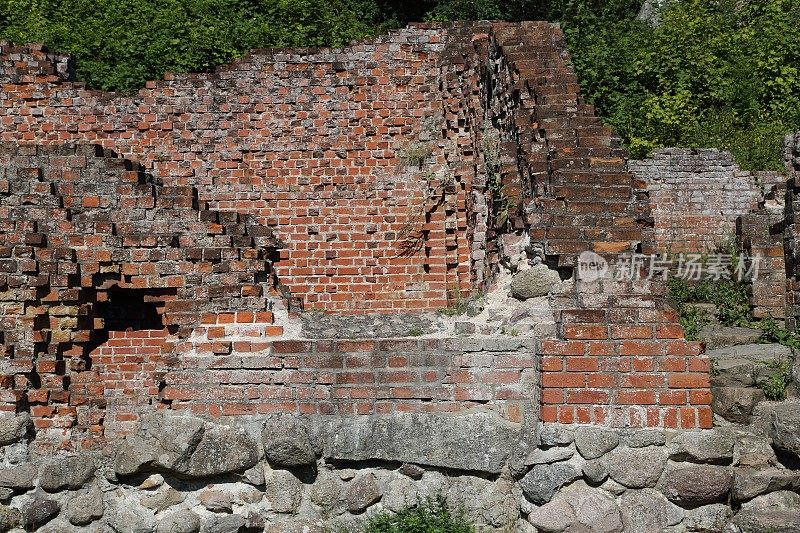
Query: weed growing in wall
[(779, 375), (430, 516)]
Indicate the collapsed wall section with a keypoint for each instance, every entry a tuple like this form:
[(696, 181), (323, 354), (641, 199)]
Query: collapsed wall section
[(392, 171)]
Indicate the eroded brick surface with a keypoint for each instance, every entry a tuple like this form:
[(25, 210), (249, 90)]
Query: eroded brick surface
[(388, 171)]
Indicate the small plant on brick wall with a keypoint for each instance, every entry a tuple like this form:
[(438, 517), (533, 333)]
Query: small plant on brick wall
[(415, 331), (415, 153)]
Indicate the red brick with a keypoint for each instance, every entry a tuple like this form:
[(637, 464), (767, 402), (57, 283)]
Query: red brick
[(554, 379), (587, 396), (582, 364), (550, 347), (689, 381), (631, 332), (586, 332)]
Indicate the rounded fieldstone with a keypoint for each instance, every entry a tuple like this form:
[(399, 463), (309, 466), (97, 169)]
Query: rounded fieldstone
[(284, 491), (647, 510), (38, 512), (66, 473), (85, 508), (554, 516), (595, 442), (9, 518), (287, 442), (713, 446), (215, 501), (699, 485), (534, 282), (179, 522), (14, 428), (785, 428), (363, 492), (594, 508), (635, 468), (224, 523), (19, 478), (541, 483)]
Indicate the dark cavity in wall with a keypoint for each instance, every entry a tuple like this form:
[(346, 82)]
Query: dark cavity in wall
[(134, 309)]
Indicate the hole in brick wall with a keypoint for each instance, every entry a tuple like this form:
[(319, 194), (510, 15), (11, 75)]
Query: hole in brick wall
[(134, 309)]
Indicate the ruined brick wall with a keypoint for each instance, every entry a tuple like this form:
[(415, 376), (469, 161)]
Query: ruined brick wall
[(341, 152), (375, 178), (696, 196)]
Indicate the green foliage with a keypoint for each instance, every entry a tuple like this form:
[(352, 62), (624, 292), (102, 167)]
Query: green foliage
[(415, 331), (120, 44), (431, 516), (776, 333), (414, 154), (721, 73), (778, 378), (692, 320), (729, 297), (714, 73)]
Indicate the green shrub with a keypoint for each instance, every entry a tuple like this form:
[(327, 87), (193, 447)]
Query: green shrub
[(717, 73), (728, 296), (120, 44), (430, 516), (774, 385)]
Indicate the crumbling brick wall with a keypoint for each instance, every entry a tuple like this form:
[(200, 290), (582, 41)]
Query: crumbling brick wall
[(388, 170), (696, 195)]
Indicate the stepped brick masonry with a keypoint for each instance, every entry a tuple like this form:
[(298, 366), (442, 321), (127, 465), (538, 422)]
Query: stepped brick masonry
[(276, 238)]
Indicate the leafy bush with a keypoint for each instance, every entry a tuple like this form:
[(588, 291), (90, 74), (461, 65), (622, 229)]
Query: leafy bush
[(120, 44), (775, 383), (729, 297), (431, 516), (716, 73)]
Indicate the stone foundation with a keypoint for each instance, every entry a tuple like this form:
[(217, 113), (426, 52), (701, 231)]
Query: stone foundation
[(280, 473)]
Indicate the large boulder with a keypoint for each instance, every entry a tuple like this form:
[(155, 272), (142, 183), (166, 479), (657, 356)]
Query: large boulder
[(13, 428), (708, 518), (222, 449), (778, 512), (38, 512), (738, 366), (635, 468), (595, 442), (284, 491), (698, 485), (85, 508), (66, 473), (594, 508), (534, 282), (363, 492), (287, 442), (179, 522), (737, 340), (10, 518), (749, 483), (553, 517), (541, 483), (647, 510), (784, 428), (474, 442), (186, 447), (736, 404), (713, 446), (18, 478)]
